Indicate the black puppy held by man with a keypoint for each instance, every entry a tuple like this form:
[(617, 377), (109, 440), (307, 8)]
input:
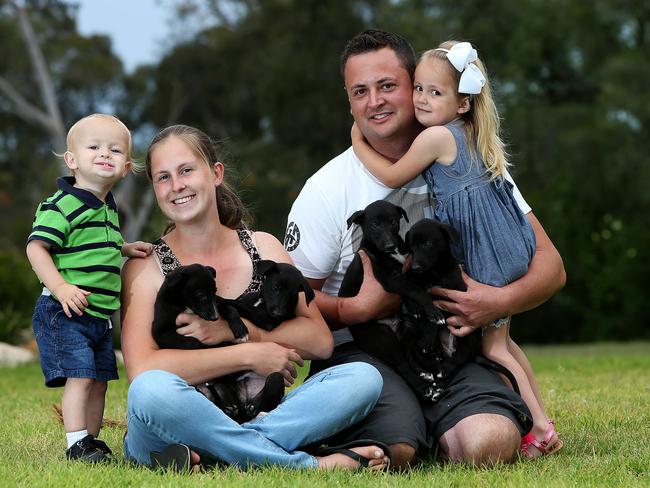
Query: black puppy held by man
[(377, 68), (393, 344)]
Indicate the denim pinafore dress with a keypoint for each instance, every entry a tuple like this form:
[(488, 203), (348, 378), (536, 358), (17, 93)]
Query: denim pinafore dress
[(496, 241)]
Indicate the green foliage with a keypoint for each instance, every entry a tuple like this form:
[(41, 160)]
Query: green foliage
[(570, 80), (19, 289), (596, 395), (85, 73)]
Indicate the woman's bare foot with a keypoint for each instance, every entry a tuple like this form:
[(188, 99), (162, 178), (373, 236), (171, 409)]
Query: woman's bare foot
[(375, 456)]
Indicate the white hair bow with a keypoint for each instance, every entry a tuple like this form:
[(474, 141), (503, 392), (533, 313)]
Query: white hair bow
[(462, 56)]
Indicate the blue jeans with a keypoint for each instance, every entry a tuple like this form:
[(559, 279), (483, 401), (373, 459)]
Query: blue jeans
[(77, 347), (163, 409)]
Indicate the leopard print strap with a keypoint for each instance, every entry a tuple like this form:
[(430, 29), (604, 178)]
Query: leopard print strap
[(169, 262), (257, 280)]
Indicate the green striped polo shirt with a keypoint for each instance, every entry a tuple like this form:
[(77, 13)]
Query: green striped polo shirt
[(84, 235)]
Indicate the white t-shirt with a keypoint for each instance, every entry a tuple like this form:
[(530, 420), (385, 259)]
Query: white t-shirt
[(317, 237)]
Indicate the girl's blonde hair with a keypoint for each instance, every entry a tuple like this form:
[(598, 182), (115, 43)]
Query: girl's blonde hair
[(232, 211), (482, 121)]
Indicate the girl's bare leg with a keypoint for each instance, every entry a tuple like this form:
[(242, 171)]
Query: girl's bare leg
[(496, 342)]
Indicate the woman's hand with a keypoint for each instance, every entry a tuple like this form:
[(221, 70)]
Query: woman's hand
[(269, 357), (208, 332)]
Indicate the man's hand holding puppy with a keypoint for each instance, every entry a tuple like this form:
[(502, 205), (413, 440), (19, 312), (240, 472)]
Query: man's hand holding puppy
[(371, 303)]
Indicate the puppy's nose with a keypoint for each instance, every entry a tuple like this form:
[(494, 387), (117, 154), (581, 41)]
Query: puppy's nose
[(213, 313)]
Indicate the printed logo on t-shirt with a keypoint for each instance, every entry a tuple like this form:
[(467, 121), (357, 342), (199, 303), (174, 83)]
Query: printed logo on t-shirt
[(292, 237)]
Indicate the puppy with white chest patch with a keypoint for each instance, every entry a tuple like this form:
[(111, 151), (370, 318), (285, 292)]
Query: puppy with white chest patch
[(380, 222)]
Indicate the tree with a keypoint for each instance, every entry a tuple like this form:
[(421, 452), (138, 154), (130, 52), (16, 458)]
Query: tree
[(73, 76), (263, 79)]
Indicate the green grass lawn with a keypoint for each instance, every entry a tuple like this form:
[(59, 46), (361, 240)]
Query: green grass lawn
[(598, 395)]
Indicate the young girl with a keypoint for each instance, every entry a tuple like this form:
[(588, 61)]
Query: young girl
[(462, 158)]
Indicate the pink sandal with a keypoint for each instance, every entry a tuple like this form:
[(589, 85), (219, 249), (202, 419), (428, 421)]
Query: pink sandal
[(530, 440)]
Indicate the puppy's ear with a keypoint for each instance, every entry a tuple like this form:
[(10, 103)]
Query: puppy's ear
[(175, 278), (265, 265), (453, 234), (212, 271), (356, 218), (403, 212), (309, 293)]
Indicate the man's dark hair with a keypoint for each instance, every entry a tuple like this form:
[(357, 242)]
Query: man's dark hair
[(375, 39)]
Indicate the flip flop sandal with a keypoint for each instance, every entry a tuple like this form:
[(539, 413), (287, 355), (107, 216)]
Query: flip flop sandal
[(175, 457), (542, 446), (345, 450)]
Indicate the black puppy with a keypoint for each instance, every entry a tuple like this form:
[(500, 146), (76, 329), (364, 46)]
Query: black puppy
[(190, 287), (386, 249), (277, 300), (433, 264), (241, 397), (193, 288), (268, 308)]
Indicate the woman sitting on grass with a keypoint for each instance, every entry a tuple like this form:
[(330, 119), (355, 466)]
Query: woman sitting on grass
[(167, 416)]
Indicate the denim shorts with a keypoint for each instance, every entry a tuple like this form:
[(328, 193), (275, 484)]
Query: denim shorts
[(77, 347)]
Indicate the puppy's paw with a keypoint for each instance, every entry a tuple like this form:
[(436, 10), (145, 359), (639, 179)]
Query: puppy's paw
[(428, 393), (231, 411), (435, 316), (437, 394), (239, 340), (250, 411), (428, 377), (433, 394)]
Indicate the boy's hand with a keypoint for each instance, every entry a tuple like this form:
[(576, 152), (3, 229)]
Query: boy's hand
[(137, 249), (71, 298)]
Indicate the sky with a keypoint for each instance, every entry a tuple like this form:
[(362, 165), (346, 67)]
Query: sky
[(138, 28)]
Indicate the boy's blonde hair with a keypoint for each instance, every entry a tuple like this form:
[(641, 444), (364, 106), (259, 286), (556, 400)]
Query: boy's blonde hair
[(482, 122), (71, 132)]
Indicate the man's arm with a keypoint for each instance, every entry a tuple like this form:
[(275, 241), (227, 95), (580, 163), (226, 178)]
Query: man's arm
[(482, 304), (371, 303)]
